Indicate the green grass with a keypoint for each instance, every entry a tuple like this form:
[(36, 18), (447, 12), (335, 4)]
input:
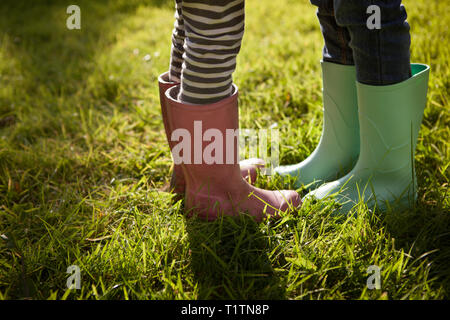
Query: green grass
[(83, 158)]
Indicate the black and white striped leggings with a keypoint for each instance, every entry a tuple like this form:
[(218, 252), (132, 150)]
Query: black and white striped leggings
[(206, 39)]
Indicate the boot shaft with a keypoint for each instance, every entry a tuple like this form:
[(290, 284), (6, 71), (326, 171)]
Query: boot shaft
[(164, 84), (390, 119), (340, 113), (339, 89), (206, 140)]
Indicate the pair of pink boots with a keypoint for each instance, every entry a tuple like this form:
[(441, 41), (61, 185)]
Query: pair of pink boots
[(206, 169)]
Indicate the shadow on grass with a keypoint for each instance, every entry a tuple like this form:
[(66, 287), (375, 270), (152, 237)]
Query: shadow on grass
[(229, 259), (424, 232), (47, 66)]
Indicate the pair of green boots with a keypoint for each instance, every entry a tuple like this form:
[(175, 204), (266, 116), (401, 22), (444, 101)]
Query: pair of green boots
[(368, 141)]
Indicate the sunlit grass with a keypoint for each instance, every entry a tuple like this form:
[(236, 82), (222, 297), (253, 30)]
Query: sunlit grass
[(83, 157)]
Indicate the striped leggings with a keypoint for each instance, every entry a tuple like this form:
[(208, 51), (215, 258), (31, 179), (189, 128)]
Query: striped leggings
[(206, 39)]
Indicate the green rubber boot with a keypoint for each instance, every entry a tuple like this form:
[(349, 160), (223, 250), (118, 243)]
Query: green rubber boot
[(338, 148), (389, 119)]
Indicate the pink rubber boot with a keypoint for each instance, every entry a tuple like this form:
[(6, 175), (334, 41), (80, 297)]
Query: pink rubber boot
[(177, 183), (207, 148)]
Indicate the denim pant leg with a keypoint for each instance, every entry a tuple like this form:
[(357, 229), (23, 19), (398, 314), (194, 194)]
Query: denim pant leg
[(336, 38), (382, 56)]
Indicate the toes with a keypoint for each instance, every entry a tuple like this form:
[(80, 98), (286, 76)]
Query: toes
[(291, 199)]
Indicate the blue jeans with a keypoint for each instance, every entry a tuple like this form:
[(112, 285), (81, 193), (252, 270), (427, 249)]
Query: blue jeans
[(381, 56)]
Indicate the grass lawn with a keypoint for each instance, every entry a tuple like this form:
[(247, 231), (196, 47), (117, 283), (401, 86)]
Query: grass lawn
[(83, 159)]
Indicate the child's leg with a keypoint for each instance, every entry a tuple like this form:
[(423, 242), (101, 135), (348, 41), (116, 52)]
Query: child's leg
[(338, 148), (213, 35), (176, 54), (337, 48), (381, 56), (214, 184), (173, 77), (392, 96)]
